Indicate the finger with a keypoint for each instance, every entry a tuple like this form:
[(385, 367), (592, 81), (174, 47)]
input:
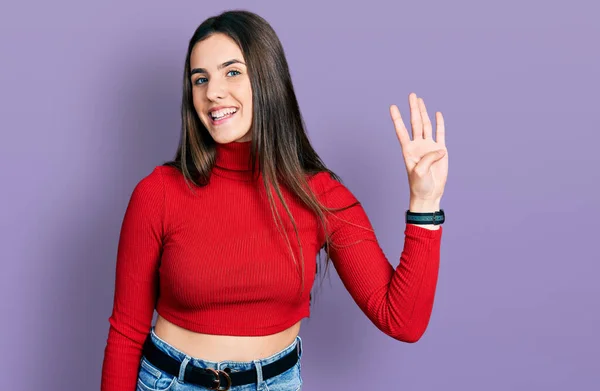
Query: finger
[(423, 166), (440, 132), (401, 131), (425, 118), (415, 117)]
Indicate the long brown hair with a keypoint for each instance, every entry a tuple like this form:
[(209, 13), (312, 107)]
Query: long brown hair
[(279, 139)]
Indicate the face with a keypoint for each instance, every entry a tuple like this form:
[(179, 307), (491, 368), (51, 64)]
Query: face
[(221, 89)]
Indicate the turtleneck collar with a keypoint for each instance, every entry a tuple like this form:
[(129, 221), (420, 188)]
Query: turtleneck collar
[(233, 161)]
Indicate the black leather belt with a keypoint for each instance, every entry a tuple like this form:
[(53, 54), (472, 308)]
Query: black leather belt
[(213, 379)]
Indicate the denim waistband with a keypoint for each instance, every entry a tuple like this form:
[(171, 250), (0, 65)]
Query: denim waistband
[(233, 365)]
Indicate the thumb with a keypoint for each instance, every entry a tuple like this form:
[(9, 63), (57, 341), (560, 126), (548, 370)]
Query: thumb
[(423, 166)]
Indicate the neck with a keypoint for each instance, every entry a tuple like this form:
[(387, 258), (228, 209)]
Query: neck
[(233, 161)]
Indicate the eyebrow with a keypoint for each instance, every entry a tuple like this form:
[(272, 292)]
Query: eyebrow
[(225, 64)]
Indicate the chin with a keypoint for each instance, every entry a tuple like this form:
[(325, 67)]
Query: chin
[(225, 137)]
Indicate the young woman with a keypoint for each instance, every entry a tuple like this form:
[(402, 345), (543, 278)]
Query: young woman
[(222, 240)]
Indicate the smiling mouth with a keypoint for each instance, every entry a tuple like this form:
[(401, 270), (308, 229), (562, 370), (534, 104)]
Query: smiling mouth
[(223, 118)]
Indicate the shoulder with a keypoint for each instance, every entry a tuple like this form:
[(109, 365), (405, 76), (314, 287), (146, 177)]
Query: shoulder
[(151, 186), (168, 175), (158, 181), (322, 181), (331, 190), (162, 176), (147, 200)]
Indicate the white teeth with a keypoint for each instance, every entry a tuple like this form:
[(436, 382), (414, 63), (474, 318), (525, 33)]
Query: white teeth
[(222, 113)]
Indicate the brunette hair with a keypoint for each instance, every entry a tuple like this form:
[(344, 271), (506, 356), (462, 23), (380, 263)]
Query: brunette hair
[(279, 141)]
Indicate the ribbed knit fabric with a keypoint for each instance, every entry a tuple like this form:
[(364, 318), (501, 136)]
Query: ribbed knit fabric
[(214, 262)]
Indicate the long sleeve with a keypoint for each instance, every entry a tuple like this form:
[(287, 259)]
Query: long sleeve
[(398, 301), (138, 255)]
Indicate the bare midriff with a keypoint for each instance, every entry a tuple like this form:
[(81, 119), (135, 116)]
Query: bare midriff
[(218, 348)]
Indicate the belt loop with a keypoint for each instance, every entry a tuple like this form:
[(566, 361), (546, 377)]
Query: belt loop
[(299, 347), (259, 374), (183, 367)]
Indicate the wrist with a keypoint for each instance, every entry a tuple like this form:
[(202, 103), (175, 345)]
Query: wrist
[(424, 206)]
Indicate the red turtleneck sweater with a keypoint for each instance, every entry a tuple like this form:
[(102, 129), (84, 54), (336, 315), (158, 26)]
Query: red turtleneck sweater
[(214, 262)]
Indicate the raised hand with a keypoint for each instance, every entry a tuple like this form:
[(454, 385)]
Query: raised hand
[(426, 160)]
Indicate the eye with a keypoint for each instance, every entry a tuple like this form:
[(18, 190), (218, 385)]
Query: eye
[(198, 80), (202, 80)]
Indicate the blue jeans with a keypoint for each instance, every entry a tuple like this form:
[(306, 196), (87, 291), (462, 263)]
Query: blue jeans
[(151, 378)]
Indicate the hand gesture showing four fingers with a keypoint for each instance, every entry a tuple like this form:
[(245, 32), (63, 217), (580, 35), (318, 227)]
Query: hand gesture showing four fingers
[(426, 160)]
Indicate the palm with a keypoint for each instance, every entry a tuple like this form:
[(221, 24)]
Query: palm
[(428, 179)]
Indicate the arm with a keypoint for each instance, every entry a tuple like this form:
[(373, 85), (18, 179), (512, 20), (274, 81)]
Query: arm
[(398, 301), (138, 255)]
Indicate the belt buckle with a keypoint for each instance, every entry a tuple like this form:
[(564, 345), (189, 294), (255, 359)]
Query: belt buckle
[(217, 386)]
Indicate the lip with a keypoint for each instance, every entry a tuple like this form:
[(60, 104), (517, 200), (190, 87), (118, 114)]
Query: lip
[(221, 121), (221, 107)]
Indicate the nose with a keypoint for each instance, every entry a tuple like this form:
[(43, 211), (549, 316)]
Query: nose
[(216, 89)]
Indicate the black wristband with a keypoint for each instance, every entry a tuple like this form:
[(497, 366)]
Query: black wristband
[(436, 218)]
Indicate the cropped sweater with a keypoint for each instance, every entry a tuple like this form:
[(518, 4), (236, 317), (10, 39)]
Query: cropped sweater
[(214, 261)]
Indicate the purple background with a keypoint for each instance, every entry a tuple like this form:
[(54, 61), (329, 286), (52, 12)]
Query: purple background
[(90, 100)]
